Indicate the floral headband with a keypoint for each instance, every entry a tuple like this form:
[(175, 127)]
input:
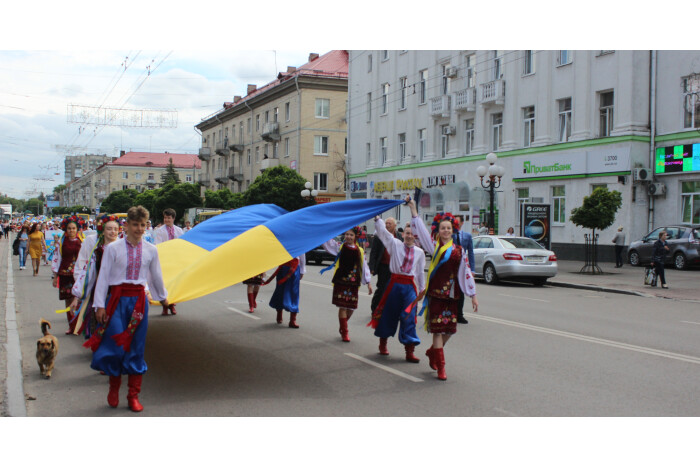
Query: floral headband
[(77, 220), (441, 216), (103, 220)]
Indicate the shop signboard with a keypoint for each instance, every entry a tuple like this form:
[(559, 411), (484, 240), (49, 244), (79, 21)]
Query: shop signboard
[(536, 222), (599, 161), (677, 159)]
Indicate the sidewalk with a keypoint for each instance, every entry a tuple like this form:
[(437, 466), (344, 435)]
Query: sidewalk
[(683, 285)]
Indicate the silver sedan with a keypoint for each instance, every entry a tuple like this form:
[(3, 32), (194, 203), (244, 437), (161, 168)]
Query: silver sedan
[(500, 257)]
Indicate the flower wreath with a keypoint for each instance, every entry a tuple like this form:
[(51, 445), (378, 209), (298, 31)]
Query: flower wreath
[(100, 225), (441, 216), (77, 220)]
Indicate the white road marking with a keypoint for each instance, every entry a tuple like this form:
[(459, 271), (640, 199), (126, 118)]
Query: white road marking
[(324, 286), (505, 412), (523, 298), (385, 368), (594, 340), (244, 313), (689, 322)]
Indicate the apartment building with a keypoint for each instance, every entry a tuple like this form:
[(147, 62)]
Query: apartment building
[(78, 165), (298, 120), (561, 122)]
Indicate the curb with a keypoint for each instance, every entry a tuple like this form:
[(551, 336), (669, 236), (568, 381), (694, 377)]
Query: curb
[(598, 288), (13, 353)]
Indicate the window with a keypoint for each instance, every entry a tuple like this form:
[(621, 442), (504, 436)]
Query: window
[(529, 62), (469, 70), (275, 114), (248, 156), (369, 106), (606, 112), (320, 181), (138, 176), (422, 85), (402, 86), (497, 64), (188, 178), (421, 143), (323, 108), (320, 145), (257, 153), (240, 133), (125, 187), (691, 101), (250, 128), (690, 203), (402, 147), (257, 122), (444, 81), (266, 151), (385, 98), (469, 135), (286, 147), (275, 150), (369, 63), (558, 205), (497, 131), (369, 153), (565, 57), (444, 141), (528, 126), (383, 149), (594, 186), (564, 119), (385, 55), (522, 197), (151, 176), (125, 175)]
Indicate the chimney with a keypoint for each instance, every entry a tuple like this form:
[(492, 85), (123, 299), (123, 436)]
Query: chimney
[(291, 69), (251, 88), (312, 57), (236, 99)]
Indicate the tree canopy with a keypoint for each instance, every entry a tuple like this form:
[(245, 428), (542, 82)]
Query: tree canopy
[(278, 185), (119, 201), (598, 209), (180, 197), (223, 199), (170, 175)]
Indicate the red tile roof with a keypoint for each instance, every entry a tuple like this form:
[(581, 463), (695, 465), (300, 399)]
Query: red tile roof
[(152, 159)]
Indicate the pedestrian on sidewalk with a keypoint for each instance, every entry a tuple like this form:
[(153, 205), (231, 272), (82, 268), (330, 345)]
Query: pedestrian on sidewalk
[(658, 258), (619, 241), (23, 242), (37, 246)]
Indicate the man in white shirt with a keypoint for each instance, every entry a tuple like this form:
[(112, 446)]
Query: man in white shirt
[(168, 231)]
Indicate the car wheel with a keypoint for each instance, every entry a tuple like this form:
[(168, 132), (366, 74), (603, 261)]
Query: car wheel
[(490, 275), (539, 281), (679, 261), (634, 258)]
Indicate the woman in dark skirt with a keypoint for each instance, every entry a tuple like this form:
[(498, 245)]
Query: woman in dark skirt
[(253, 284), (351, 271), (63, 263)]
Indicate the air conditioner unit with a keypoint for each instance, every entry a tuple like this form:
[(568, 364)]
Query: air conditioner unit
[(657, 189), (641, 175), (451, 72), (449, 130)]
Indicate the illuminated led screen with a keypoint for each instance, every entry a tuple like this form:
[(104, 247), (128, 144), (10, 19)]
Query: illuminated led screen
[(678, 159)]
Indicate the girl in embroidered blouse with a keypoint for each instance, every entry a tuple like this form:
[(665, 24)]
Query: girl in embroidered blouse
[(63, 264), (448, 277), (351, 270)]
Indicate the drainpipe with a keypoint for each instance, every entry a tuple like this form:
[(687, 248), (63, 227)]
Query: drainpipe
[(296, 83), (652, 139)]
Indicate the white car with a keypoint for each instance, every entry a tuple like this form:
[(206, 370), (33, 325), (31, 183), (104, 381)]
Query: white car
[(500, 257)]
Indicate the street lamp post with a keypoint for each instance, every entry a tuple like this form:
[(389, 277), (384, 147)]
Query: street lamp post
[(307, 192), (494, 171)]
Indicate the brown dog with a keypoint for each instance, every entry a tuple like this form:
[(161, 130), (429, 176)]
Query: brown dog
[(46, 350)]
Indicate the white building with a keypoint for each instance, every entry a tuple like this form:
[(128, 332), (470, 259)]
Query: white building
[(561, 122)]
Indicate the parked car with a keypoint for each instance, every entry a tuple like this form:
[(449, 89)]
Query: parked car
[(683, 243), (318, 255), (520, 258)]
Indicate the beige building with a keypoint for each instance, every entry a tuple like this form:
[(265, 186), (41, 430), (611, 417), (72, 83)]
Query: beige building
[(136, 170), (297, 120)]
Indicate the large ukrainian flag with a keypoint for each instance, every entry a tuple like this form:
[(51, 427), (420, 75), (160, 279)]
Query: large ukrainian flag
[(239, 244)]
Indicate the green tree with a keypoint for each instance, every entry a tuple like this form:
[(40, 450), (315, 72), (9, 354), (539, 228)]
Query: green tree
[(147, 199), (58, 189), (170, 175), (180, 197), (597, 213), (223, 199), (118, 201), (278, 185)]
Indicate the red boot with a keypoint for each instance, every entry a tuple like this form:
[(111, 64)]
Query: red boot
[(113, 396), (440, 361), (344, 329), (71, 324), (410, 357), (279, 317), (251, 302), (293, 320), (134, 390), (430, 353), (382, 346), (255, 298)]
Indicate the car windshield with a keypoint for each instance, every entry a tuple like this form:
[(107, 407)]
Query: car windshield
[(515, 243)]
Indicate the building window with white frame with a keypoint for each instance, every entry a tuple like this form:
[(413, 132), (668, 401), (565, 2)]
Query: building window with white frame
[(404, 92), (565, 57), (607, 100), (558, 205), (275, 114), (383, 150), (369, 106), (320, 145), (528, 126), (275, 150), (595, 186), (385, 98), (188, 178), (444, 81), (690, 203), (468, 135), (402, 148), (267, 116), (691, 101), (323, 108), (248, 152), (564, 119), (320, 181), (496, 131), (522, 197), (497, 64), (257, 122), (257, 153), (528, 62), (286, 147), (125, 175), (469, 62), (444, 140), (385, 55), (422, 85), (287, 112), (250, 127), (138, 176), (369, 154), (422, 143)]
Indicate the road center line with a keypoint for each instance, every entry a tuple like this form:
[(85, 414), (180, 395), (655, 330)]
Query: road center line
[(523, 298), (244, 313), (385, 368), (594, 340), (316, 284), (689, 322)]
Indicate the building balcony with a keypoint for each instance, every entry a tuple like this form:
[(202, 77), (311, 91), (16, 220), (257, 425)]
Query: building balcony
[(221, 176), (440, 106), (267, 163), (271, 132), (151, 181), (204, 179), (493, 92), (222, 148), (237, 147), (465, 100), (204, 154), (235, 175)]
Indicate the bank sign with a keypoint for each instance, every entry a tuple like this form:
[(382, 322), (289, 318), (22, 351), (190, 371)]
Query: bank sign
[(597, 161)]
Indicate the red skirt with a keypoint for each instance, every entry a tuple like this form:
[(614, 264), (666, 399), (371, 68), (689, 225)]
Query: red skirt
[(65, 285), (442, 315), (345, 296)]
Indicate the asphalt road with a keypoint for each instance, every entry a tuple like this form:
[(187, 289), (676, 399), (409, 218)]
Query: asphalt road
[(529, 351)]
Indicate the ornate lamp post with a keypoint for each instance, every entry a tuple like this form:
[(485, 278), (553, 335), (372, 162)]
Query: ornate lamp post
[(493, 171), (307, 192)]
